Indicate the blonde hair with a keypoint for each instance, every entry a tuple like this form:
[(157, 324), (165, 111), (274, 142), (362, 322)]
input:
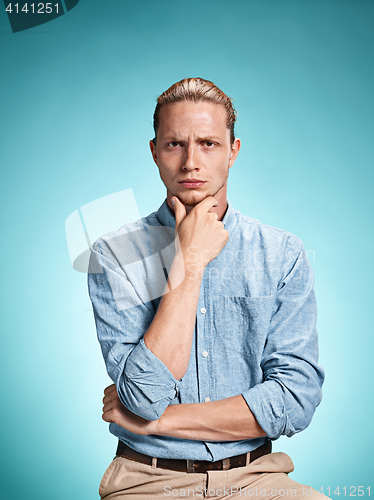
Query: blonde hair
[(196, 89)]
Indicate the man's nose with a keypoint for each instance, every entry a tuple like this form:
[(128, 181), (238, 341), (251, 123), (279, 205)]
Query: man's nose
[(190, 162)]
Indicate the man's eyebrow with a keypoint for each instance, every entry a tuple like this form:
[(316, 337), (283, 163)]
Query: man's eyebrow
[(175, 137), (207, 138)]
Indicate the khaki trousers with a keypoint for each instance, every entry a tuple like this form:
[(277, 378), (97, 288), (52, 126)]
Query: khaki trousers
[(264, 478)]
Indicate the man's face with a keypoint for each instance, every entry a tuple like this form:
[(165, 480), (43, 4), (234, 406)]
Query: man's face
[(193, 151)]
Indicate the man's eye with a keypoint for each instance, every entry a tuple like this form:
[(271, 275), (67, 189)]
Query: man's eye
[(208, 144), (173, 144)]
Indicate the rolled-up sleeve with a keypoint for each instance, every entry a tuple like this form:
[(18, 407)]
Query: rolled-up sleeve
[(285, 401), (144, 384)]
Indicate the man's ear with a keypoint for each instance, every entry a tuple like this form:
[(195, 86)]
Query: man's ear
[(152, 145), (235, 148)]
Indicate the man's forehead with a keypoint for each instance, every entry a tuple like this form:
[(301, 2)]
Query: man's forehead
[(203, 117)]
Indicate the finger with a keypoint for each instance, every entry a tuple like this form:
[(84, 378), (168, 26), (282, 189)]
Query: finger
[(113, 405), (108, 406), (111, 393), (110, 389), (107, 417), (206, 204), (179, 211), (110, 397), (213, 215)]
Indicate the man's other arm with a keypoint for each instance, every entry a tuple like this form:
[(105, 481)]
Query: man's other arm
[(285, 402), (225, 420)]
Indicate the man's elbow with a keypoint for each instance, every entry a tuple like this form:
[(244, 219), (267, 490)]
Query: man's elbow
[(299, 419), (147, 406), (150, 413)]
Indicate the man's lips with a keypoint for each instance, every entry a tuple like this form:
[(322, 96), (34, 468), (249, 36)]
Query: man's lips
[(192, 183)]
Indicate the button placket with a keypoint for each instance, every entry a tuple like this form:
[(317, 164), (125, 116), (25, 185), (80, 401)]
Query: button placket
[(203, 340)]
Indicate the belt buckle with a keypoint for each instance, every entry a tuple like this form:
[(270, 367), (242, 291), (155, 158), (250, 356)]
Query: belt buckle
[(190, 466)]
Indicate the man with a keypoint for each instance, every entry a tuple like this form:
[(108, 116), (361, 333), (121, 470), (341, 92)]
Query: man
[(212, 365)]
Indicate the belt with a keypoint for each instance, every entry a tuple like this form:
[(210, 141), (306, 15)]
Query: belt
[(199, 466)]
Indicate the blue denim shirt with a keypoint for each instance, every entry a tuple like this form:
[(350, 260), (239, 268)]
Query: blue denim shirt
[(255, 330)]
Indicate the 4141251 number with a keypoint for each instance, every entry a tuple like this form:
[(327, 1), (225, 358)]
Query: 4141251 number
[(33, 8)]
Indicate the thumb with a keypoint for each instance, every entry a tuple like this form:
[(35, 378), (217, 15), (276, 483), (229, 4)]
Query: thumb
[(179, 211)]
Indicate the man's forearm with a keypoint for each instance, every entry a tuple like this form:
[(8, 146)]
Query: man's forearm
[(201, 237), (225, 420), (170, 334)]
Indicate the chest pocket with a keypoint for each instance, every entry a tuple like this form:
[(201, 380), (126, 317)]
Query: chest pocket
[(245, 323)]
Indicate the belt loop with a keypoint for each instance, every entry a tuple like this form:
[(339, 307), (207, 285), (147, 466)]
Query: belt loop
[(248, 459), (154, 462), (226, 464), (190, 466)]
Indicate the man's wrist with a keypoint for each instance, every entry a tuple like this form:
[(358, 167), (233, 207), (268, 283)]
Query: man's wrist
[(156, 427), (185, 269)]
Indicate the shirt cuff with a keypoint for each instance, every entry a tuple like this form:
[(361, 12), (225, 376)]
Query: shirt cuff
[(149, 385), (268, 407)]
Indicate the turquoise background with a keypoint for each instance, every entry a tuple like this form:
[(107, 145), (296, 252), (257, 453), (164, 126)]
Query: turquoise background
[(77, 98)]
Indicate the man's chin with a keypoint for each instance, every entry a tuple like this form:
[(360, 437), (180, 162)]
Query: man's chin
[(192, 200)]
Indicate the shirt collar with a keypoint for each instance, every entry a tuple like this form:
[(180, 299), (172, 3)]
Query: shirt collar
[(166, 216)]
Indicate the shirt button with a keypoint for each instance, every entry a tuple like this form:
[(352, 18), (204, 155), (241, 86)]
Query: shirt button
[(207, 400), (203, 310), (205, 354)]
